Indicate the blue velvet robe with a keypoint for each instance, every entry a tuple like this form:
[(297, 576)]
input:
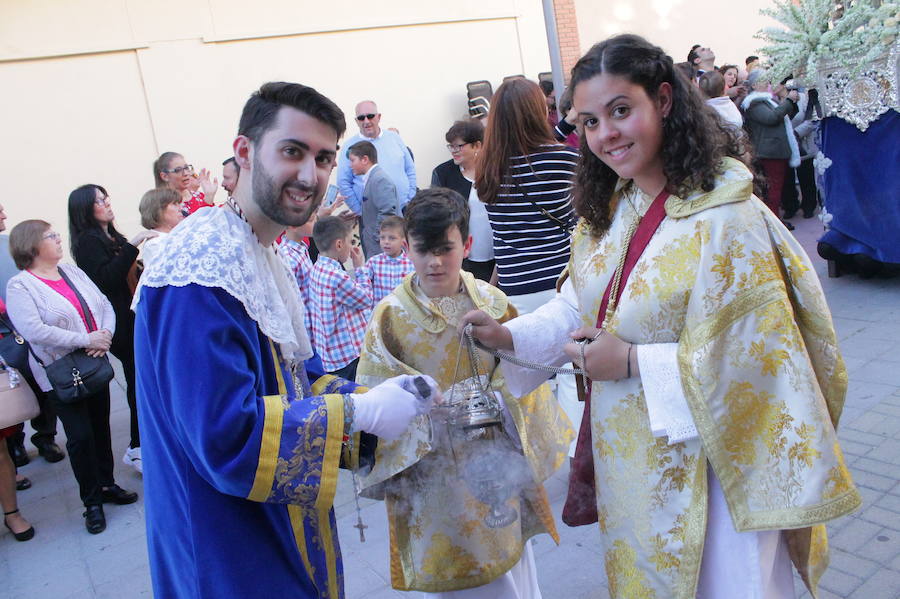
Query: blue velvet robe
[(238, 482)]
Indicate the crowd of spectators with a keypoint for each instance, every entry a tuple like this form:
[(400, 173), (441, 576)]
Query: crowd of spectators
[(515, 168)]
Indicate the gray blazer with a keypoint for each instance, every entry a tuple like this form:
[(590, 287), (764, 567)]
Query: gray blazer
[(380, 199), (49, 322)]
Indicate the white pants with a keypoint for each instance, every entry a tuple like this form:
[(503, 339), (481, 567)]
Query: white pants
[(520, 582)]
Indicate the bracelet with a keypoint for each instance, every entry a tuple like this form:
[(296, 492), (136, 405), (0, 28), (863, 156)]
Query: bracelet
[(628, 360)]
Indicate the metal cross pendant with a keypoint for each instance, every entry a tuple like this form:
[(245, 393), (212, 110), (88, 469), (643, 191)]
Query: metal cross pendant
[(359, 524)]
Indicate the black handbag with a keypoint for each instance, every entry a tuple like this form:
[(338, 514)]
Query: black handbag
[(13, 347), (77, 375)]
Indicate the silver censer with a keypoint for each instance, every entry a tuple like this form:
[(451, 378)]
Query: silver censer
[(493, 468)]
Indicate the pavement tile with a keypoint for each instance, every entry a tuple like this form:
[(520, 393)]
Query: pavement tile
[(873, 481), (887, 451), (853, 537), (848, 433), (865, 394), (841, 584), (882, 547), (890, 502), (877, 371), (884, 584), (880, 467), (856, 450), (877, 424), (558, 577), (863, 347), (878, 515), (850, 563)]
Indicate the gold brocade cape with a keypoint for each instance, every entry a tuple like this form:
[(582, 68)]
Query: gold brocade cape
[(759, 363), (439, 541)]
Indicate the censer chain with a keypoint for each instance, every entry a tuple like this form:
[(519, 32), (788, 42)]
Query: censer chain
[(512, 359)]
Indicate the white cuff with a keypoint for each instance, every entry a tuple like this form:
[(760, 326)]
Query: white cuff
[(667, 405), (540, 337)]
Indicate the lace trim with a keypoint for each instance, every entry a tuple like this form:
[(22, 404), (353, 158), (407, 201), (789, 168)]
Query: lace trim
[(666, 402), (216, 248)]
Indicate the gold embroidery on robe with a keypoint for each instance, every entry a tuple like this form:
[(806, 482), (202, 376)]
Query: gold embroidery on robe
[(762, 374), (439, 541)]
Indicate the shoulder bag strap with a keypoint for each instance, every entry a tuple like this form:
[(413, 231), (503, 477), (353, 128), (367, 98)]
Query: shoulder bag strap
[(92, 325), (6, 321), (566, 227)]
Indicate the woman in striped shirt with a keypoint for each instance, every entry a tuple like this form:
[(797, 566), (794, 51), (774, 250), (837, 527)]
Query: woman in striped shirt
[(525, 179)]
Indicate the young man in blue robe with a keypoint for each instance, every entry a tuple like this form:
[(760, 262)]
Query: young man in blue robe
[(243, 432)]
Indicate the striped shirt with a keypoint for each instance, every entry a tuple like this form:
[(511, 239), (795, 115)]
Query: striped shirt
[(339, 307), (530, 247), (385, 273)]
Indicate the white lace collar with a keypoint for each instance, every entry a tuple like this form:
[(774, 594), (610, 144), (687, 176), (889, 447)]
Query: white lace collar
[(216, 248)]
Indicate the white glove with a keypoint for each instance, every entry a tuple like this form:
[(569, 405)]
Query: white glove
[(386, 410)]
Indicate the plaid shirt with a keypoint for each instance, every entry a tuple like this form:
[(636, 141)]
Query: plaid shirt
[(296, 256), (385, 273), (339, 307)]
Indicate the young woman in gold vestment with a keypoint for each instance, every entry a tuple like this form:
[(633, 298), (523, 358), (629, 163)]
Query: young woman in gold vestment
[(717, 383)]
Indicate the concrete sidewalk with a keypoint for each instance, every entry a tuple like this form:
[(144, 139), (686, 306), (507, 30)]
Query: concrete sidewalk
[(64, 561)]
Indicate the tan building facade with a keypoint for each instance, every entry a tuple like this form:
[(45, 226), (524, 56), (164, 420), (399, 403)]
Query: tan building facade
[(94, 90)]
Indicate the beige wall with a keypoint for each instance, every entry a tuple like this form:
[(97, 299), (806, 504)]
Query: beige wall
[(94, 90), (676, 25)]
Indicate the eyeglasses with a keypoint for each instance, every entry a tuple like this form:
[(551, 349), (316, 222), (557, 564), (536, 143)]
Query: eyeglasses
[(362, 117), (102, 201), (55, 236), (187, 168), (457, 148)]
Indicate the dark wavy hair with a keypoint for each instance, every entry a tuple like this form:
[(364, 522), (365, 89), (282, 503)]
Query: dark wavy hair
[(693, 142), (81, 217)]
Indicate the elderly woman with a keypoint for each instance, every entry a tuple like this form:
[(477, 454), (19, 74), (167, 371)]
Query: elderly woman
[(464, 142), (171, 170), (160, 211), (44, 305)]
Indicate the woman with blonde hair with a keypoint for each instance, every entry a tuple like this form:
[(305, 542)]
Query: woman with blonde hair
[(196, 189), (160, 211)]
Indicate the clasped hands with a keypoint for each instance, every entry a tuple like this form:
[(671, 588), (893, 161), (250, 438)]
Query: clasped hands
[(99, 343), (606, 356)]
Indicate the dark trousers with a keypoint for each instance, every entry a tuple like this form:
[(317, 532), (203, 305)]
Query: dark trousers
[(347, 372), (44, 424), (126, 357), (775, 170), (86, 423), (809, 195), (481, 270)]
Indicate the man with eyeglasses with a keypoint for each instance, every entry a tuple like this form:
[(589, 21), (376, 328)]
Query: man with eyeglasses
[(393, 157)]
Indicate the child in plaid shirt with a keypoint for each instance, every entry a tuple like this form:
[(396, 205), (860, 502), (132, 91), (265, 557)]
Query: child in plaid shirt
[(339, 302), (386, 270), (295, 254)]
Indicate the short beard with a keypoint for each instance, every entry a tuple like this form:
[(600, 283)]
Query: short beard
[(268, 198)]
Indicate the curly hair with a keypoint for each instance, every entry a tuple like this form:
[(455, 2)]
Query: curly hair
[(693, 142)]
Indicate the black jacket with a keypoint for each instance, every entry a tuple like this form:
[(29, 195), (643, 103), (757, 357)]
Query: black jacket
[(107, 263), (447, 174), (765, 123)]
